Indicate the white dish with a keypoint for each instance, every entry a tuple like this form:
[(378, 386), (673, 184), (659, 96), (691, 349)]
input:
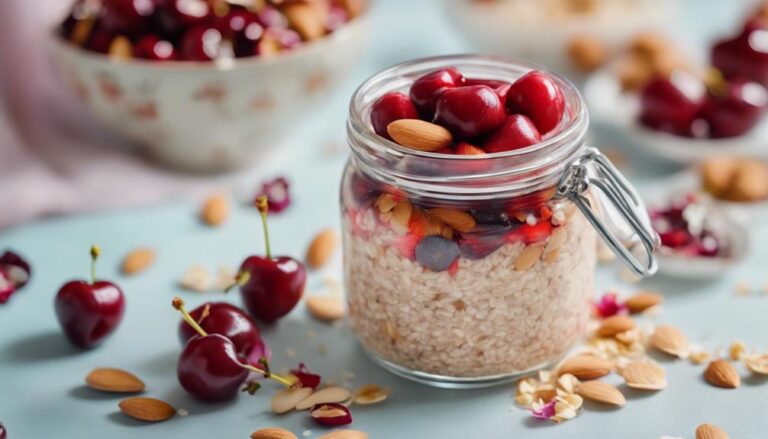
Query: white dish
[(607, 104)]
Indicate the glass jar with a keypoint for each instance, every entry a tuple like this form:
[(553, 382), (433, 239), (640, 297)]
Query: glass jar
[(467, 271)]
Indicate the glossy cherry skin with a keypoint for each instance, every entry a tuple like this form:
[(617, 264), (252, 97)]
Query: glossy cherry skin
[(389, 108), (209, 369), (671, 104), (126, 16), (426, 89), (746, 55), (235, 22), (227, 320), (177, 15), (516, 132), (537, 96), (153, 48), (274, 288), (470, 111), (500, 87), (201, 43), (737, 111), (88, 313)]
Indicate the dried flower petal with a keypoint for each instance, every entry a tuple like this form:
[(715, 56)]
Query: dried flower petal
[(307, 378), (14, 274), (278, 196), (608, 306), (540, 410)]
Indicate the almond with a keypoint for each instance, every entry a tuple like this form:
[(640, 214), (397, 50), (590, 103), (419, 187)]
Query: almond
[(327, 308), (601, 392), (401, 217), (324, 396), (670, 340), (709, 431), (615, 325), (587, 53), (215, 210), (461, 221), (585, 367), (147, 409), (321, 248), (370, 394), (285, 400), (308, 20), (646, 376), (528, 257), (344, 434), (721, 373), (643, 300), (418, 134), (273, 433), (114, 380), (82, 31), (121, 48), (353, 7), (138, 260)]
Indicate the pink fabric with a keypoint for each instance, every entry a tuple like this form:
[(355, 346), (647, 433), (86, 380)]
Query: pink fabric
[(53, 158)]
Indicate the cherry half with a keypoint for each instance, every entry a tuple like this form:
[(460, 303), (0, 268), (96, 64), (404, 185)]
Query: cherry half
[(89, 311), (672, 104), (516, 132), (427, 89), (209, 368), (224, 319), (537, 96), (389, 108), (270, 287), (470, 111)]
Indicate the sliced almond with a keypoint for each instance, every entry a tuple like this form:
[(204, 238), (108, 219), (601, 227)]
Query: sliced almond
[(273, 433), (401, 217), (385, 202), (615, 325), (308, 20), (327, 308), (138, 260), (321, 248), (324, 396), (147, 409), (646, 376), (344, 434), (215, 210), (757, 363), (585, 367), (370, 394), (114, 380), (670, 340), (461, 221), (601, 392), (721, 373), (529, 256), (709, 431), (419, 134), (641, 301), (121, 48), (286, 400)]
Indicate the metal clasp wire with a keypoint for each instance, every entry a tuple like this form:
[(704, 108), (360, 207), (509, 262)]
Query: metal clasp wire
[(593, 169)]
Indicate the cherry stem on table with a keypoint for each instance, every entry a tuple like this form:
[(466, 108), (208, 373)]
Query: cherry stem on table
[(263, 205), (95, 252)]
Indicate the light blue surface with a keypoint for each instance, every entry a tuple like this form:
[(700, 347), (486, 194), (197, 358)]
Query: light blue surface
[(41, 377)]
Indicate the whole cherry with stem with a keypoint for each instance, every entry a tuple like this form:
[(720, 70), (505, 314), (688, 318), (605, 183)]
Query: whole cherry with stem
[(209, 368), (224, 319), (89, 311), (270, 286)]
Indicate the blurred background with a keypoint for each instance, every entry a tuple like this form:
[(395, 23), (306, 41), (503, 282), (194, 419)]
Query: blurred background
[(111, 104)]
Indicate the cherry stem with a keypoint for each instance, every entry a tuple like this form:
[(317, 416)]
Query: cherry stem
[(241, 279), (95, 252), (262, 204), (179, 305), (287, 382)]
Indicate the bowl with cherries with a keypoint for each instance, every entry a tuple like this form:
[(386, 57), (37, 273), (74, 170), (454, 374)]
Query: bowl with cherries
[(204, 85), (687, 113)]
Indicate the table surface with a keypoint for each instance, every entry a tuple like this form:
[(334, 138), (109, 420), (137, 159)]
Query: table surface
[(41, 376)]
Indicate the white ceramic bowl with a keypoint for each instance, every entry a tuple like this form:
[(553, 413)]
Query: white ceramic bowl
[(523, 29), (206, 116)]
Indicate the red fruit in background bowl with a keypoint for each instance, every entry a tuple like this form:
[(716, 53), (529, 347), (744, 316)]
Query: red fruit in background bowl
[(126, 16), (201, 43), (227, 320), (516, 132), (389, 108), (235, 22), (89, 311), (746, 55), (153, 48), (469, 111), (737, 110), (537, 96), (176, 15), (672, 104), (425, 90)]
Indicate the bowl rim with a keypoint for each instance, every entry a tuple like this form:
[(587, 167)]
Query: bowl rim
[(346, 32)]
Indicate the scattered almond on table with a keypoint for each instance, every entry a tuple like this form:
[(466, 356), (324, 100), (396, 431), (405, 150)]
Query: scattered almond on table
[(147, 409), (138, 260), (709, 431), (273, 433), (344, 434), (370, 394), (215, 210), (327, 308), (321, 248), (721, 373), (114, 380)]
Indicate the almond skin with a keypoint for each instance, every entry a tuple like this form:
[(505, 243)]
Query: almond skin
[(138, 260), (721, 373), (601, 392), (321, 248), (215, 210), (114, 380), (285, 400), (461, 221), (344, 434), (615, 325), (420, 135), (326, 308), (147, 409), (670, 340), (273, 433), (709, 431), (586, 367), (642, 301)]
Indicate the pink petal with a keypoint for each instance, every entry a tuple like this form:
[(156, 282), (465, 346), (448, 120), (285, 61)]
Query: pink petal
[(278, 196), (608, 306), (307, 378), (547, 411)]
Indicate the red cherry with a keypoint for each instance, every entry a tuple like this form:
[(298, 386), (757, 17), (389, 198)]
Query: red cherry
[(126, 16), (500, 87), (152, 47), (224, 319), (270, 287), (672, 104), (465, 148), (201, 43), (516, 132), (675, 238), (737, 111), (236, 21), (100, 40), (537, 96), (531, 234), (89, 312), (246, 42), (389, 108), (470, 111), (425, 90), (746, 55), (177, 15)]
